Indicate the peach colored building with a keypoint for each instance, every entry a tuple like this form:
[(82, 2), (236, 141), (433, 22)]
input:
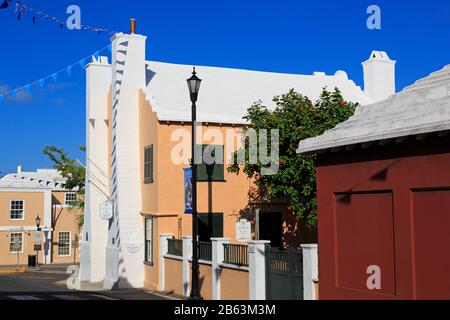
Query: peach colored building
[(23, 197), (138, 145)]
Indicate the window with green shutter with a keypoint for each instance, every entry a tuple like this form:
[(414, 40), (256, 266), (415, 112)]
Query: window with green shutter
[(148, 164), (208, 171), (210, 225)]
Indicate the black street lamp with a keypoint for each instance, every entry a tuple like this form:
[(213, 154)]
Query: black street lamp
[(38, 223), (194, 87), (38, 229)]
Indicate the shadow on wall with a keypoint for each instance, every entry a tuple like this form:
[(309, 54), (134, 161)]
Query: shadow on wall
[(380, 176), (277, 221)]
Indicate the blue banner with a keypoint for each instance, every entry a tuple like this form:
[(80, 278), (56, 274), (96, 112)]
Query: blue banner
[(188, 190)]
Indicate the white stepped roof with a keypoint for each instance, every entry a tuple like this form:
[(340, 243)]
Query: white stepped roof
[(226, 94), (421, 108), (41, 179)]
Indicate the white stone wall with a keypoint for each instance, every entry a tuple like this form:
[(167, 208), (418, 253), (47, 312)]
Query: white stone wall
[(95, 230), (125, 251)]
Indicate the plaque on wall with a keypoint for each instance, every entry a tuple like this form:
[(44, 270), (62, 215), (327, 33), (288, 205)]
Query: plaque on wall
[(106, 210), (243, 230)]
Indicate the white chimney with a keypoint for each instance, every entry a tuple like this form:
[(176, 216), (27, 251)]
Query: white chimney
[(125, 266), (19, 168), (379, 76)]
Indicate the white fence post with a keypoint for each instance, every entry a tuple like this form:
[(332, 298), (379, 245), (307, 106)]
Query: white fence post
[(216, 261), (257, 269), (310, 271), (187, 255), (163, 246)]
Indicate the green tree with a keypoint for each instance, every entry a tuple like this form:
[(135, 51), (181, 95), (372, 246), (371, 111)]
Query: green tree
[(297, 118), (73, 172)]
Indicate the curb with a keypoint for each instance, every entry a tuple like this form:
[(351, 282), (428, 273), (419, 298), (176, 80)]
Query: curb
[(11, 271)]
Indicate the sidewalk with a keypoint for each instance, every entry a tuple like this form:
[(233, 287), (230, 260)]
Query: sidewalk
[(127, 294)]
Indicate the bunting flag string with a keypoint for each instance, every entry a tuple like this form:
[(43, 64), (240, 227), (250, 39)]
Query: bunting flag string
[(20, 9), (55, 75)]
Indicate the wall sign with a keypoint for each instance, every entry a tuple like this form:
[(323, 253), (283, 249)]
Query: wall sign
[(106, 210), (37, 238), (133, 247), (243, 230)]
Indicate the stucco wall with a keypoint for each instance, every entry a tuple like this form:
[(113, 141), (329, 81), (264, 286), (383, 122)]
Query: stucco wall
[(34, 203), (173, 276), (165, 196), (65, 221), (149, 136), (233, 284), (205, 280)]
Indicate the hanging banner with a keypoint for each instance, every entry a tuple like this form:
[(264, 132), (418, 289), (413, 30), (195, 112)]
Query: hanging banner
[(5, 4), (20, 8), (55, 75), (188, 191)]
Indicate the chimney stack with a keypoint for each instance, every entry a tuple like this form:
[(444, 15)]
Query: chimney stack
[(19, 168), (133, 26), (379, 76)]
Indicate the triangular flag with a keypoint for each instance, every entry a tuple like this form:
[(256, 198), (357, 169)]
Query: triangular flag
[(55, 77), (42, 83), (27, 88), (82, 63), (14, 93), (5, 4), (69, 71)]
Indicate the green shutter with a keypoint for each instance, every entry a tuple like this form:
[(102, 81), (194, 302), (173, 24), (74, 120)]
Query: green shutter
[(216, 221), (214, 172), (148, 164)]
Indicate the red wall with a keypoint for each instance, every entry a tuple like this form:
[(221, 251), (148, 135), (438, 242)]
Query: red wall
[(390, 207)]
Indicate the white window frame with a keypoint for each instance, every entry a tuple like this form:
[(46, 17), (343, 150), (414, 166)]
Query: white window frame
[(10, 242), (23, 210), (147, 259), (70, 243), (71, 201)]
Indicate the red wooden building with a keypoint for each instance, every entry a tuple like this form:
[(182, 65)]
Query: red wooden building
[(383, 182)]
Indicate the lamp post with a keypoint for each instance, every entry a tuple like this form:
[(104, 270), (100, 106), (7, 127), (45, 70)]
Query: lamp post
[(194, 87), (38, 229)]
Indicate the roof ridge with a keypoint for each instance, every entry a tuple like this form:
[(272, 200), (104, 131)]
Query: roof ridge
[(420, 108), (441, 76)]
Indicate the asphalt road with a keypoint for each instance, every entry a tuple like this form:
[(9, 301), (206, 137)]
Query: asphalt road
[(49, 283)]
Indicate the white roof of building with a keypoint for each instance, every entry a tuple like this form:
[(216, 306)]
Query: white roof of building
[(421, 108), (226, 94), (41, 179)]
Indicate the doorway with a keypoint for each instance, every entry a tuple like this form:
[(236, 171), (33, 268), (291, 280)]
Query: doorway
[(271, 228)]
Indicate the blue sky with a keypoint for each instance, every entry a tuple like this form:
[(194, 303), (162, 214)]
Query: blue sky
[(291, 36)]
